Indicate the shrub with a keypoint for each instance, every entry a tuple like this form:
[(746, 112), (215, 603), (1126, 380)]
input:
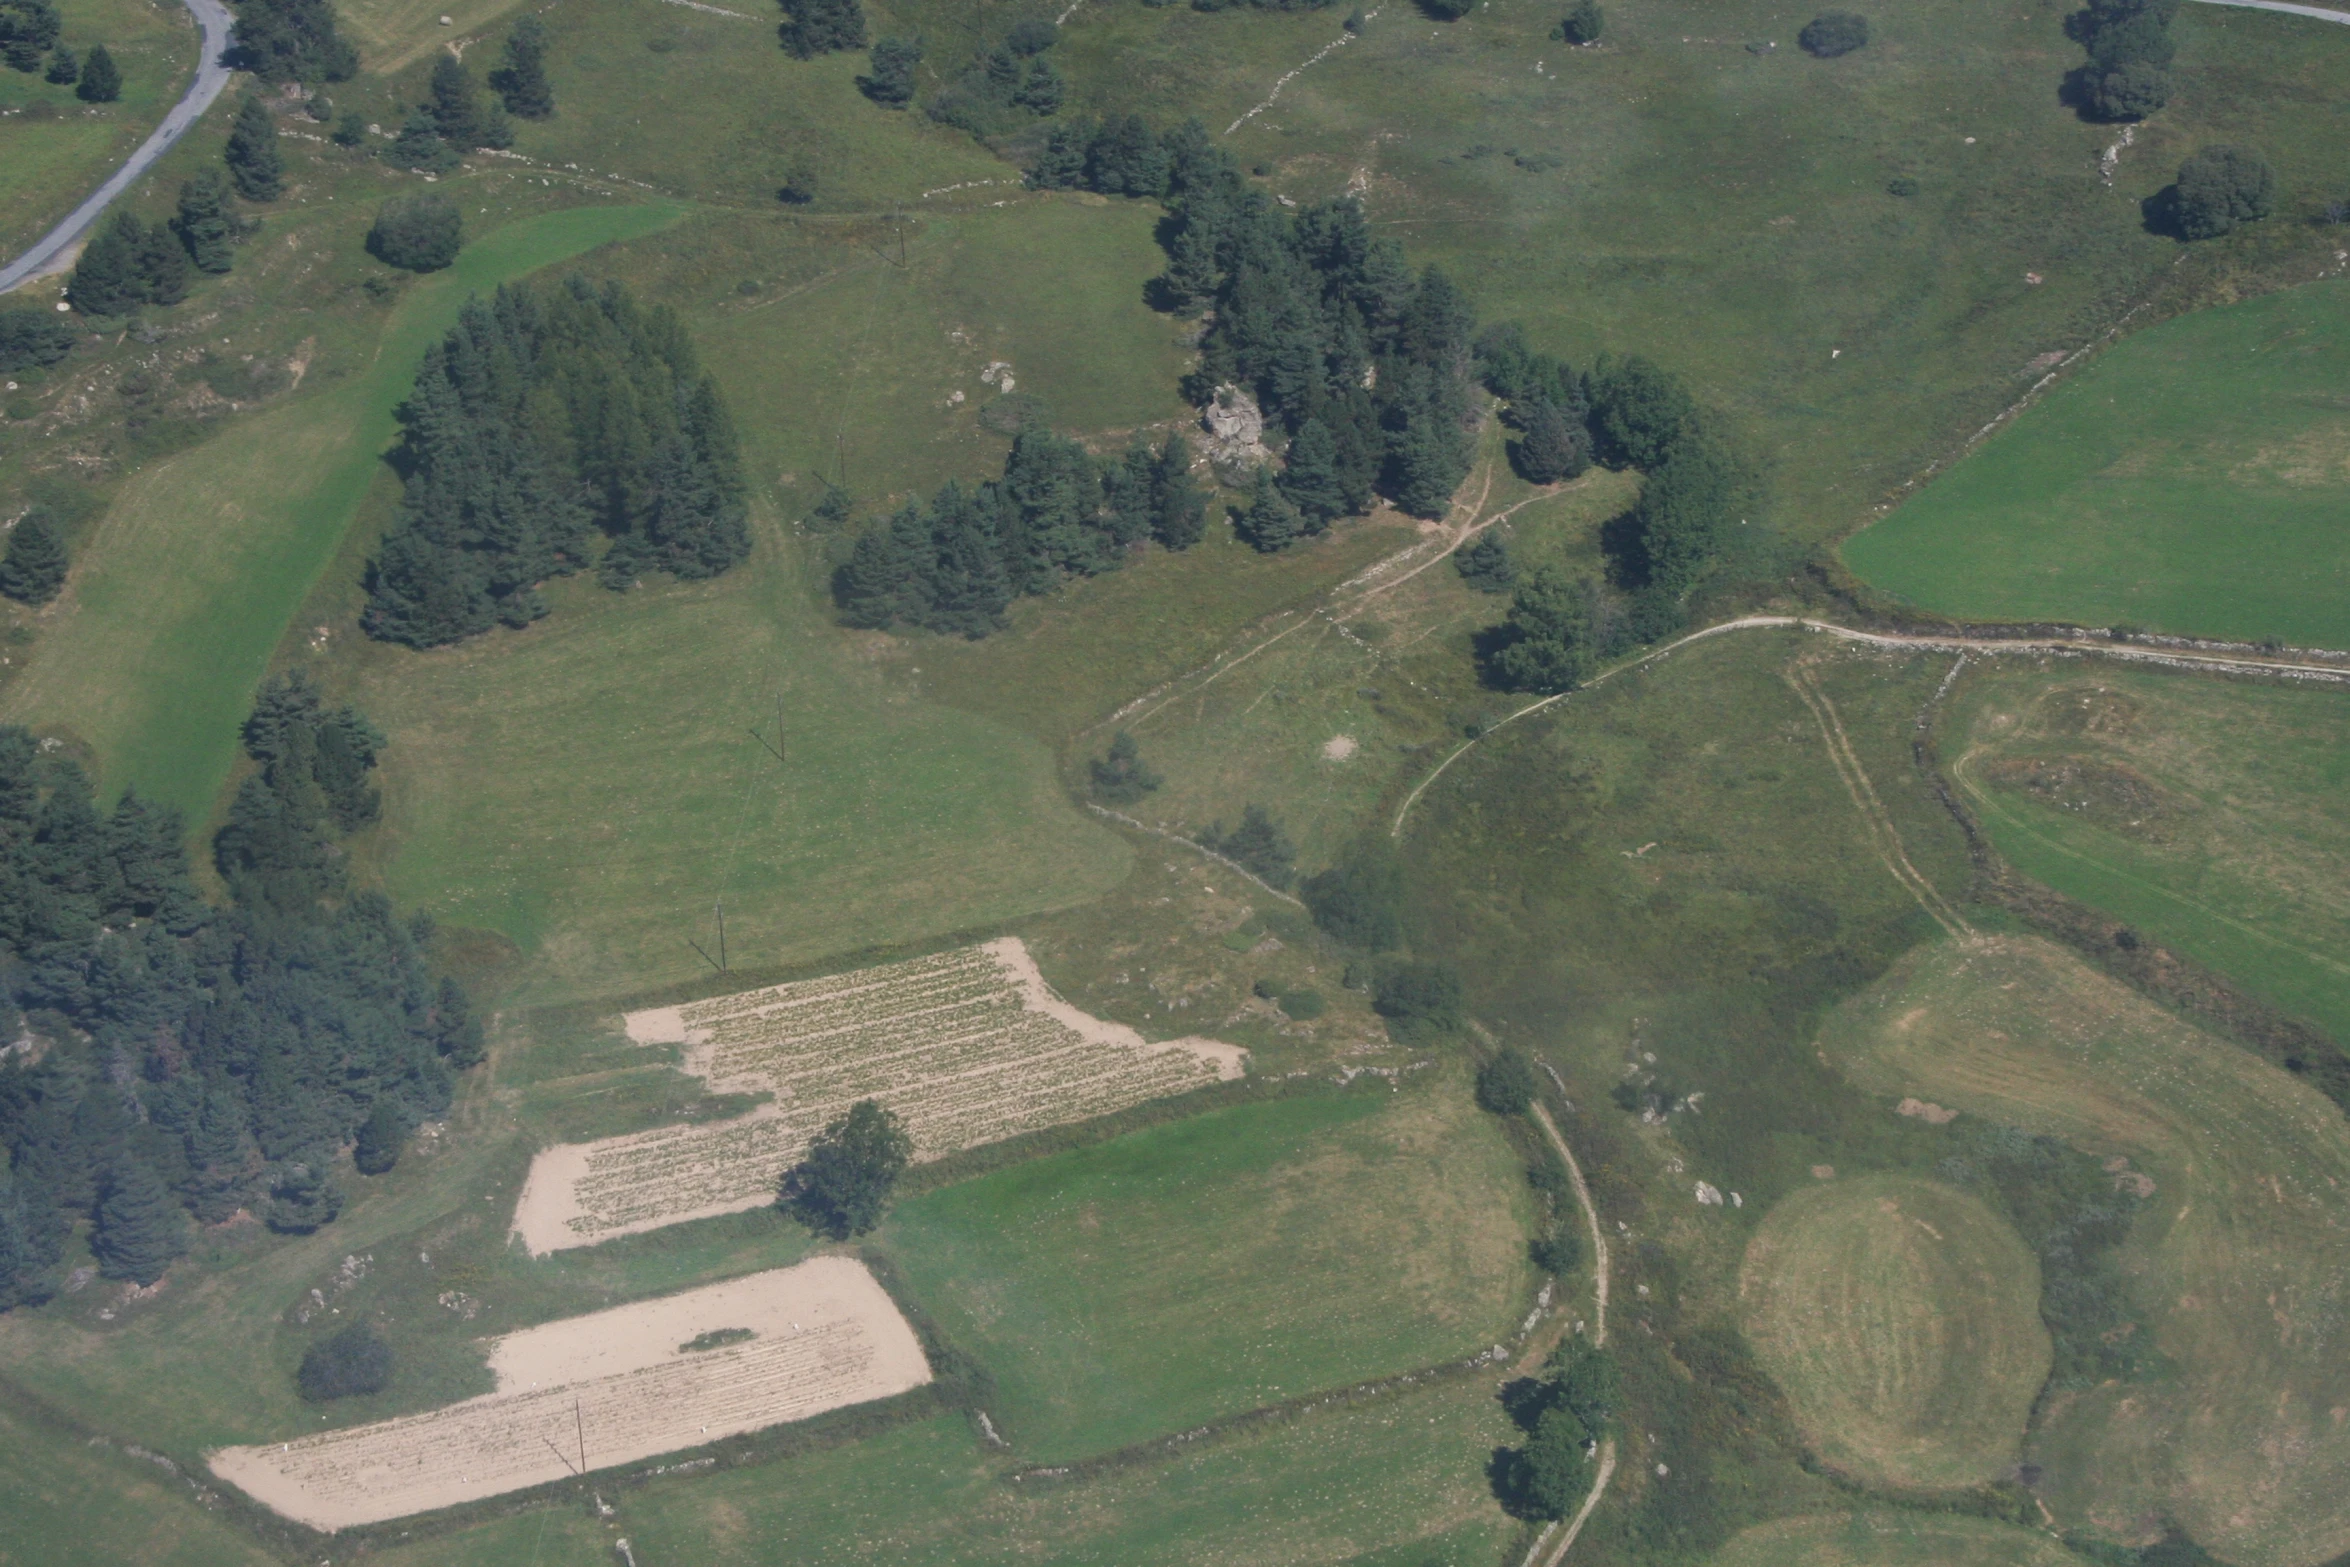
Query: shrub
[(1418, 998), (1302, 1004), (1506, 1085), (353, 1362), (1486, 565), (890, 79), (420, 233), (381, 1137), (2130, 91), (1123, 777), (1559, 1252), (1832, 33), (30, 337), (1583, 22), (1359, 901), (2220, 187), (842, 1187)]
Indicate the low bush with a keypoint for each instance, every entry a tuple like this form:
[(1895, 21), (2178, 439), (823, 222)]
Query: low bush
[(353, 1362), (420, 233), (1834, 33)]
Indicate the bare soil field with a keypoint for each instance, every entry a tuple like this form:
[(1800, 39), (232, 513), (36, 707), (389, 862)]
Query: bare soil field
[(968, 1047), (613, 1387)]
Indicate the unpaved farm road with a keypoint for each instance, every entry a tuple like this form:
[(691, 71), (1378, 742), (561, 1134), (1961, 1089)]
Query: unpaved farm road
[(2320, 12), (212, 74)]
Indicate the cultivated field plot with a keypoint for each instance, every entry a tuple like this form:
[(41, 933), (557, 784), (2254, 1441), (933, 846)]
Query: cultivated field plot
[(2243, 1254), (1902, 1318), (610, 1388), (968, 1047)]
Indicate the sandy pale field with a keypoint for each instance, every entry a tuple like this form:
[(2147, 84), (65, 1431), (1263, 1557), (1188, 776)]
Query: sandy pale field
[(614, 1387), (968, 1047)]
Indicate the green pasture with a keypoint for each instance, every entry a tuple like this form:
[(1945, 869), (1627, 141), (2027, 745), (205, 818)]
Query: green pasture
[(59, 148), (186, 587), (1398, 1480), (1239, 1258), (68, 1504), (2242, 1256), (2205, 814), (1891, 1539), (1902, 1318), (2192, 478)]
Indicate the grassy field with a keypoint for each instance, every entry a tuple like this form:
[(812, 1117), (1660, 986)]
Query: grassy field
[(2190, 479), (2242, 1260), (59, 148), (1239, 1258), (190, 581), (1889, 1539), (2199, 812), (50, 1485), (1902, 1319), (1397, 1482)]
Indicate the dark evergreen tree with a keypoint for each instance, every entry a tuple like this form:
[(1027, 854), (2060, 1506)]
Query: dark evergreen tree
[(1310, 477), (2221, 187), (1042, 88), (1833, 33), (1359, 901), (350, 1364), (1485, 564), (1584, 22), (34, 568), (458, 114), (1689, 507), (252, 155), (1547, 644), (221, 1156), (841, 1188), (141, 1230), (419, 147), (163, 266), (2131, 90), (1257, 845), (65, 68), (1555, 1465), (1179, 506), (381, 1137), (417, 233), (30, 337), (1123, 777), (814, 27), (101, 79), (1550, 447), (28, 29), (1418, 999), (889, 78), (105, 279), (1639, 413), (350, 129), (206, 223), (2127, 76), (1506, 1085), (291, 41), (1061, 163), (1270, 521), (302, 1200), (520, 81)]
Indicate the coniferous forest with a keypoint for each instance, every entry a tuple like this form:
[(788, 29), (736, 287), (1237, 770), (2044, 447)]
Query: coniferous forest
[(554, 428), (167, 1060)]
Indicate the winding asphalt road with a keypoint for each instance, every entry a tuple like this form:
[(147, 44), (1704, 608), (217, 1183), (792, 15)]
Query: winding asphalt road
[(212, 74)]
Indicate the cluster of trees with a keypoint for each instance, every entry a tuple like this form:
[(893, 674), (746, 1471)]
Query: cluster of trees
[(452, 121), (1564, 1414), (1122, 777), (841, 1188), (2218, 188), (420, 233), (1007, 85), (2127, 75), (283, 41), (1833, 33), (955, 565), (199, 1060), (814, 27), (33, 569), (546, 415), (1257, 845), (1582, 24), (128, 263), (32, 28), (251, 154), (32, 338), (1365, 367), (520, 81)]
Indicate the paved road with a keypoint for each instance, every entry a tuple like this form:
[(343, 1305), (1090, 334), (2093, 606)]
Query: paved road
[(212, 21), (2322, 13)]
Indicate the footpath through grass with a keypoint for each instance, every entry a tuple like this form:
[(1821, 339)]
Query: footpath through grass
[(2191, 479), (190, 582)]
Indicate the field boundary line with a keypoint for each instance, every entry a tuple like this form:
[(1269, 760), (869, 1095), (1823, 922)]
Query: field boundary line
[(1197, 847), (2082, 644), (1876, 821)]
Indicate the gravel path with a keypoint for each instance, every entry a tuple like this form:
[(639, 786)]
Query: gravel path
[(50, 253), (2320, 12)]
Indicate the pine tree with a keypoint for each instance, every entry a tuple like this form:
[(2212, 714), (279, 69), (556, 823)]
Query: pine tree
[(1123, 777), (814, 27), (27, 29), (1043, 89), (252, 153), (65, 68), (889, 76), (1550, 448), (33, 570), (456, 108), (1060, 163), (1584, 22), (1311, 478), (101, 81), (291, 41), (381, 1137), (219, 1155), (163, 266), (303, 1200), (1179, 506), (520, 80), (207, 224), (1269, 522), (141, 1230), (1546, 645), (105, 280)]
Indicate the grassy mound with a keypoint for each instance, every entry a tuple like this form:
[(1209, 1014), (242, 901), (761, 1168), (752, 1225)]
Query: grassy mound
[(1891, 1540), (1901, 1317), (2202, 814), (2243, 1254), (1235, 1259), (2191, 479)]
